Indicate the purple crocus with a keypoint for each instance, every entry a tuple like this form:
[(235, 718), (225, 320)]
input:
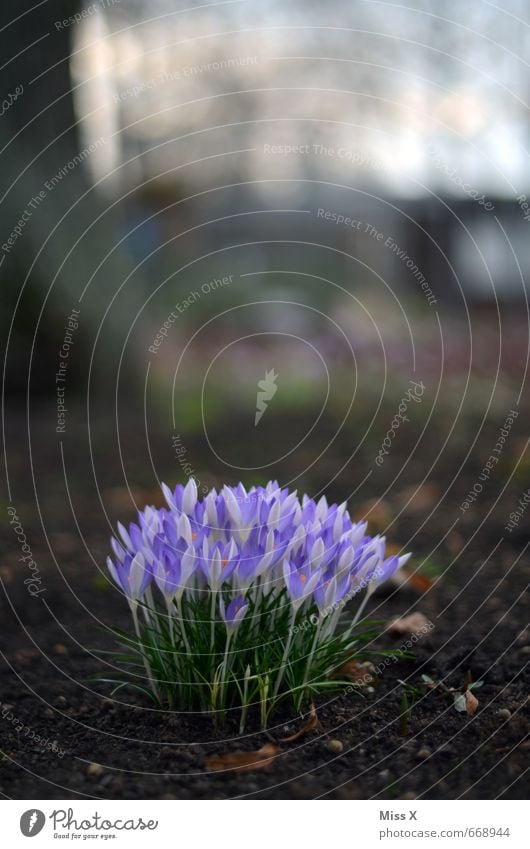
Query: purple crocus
[(234, 614), (132, 576), (263, 542)]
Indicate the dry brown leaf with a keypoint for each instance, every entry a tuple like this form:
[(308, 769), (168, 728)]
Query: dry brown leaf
[(471, 703), (408, 624), (311, 723), (356, 672), (243, 761), (421, 583)]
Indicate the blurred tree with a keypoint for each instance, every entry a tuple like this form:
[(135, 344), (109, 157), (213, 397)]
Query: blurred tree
[(68, 231)]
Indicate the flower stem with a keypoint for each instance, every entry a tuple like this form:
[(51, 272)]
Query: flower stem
[(359, 611), (224, 669), (134, 611), (286, 651), (310, 657), (182, 625)]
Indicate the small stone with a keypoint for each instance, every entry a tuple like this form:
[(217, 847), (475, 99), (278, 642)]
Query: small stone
[(94, 769), (60, 701), (369, 690), (424, 752), (60, 649), (335, 746), (384, 774), (504, 713), (409, 795), (49, 713)]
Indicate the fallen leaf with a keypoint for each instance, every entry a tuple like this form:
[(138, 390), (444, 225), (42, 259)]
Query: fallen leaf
[(311, 723), (243, 761), (409, 624), (471, 703), (356, 672), (422, 583)]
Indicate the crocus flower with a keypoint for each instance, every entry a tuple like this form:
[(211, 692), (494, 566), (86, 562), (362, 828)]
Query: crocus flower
[(264, 540), (234, 614), (294, 562), (132, 576)]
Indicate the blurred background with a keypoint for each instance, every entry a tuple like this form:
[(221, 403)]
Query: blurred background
[(197, 195)]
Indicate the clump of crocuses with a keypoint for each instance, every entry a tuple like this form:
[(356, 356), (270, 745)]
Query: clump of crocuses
[(239, 599)]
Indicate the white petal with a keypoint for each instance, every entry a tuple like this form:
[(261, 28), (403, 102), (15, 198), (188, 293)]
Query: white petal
[(331, 591), (184, 528), (337, 527), (274, 514), (189, 497), (322, 509), (215, 568), (346, 561), (136, 575), (168, 495), (117, 549), (317, 553), (402, 560), (211, 509), (357, 533), (113, 572), (187, 563), (232, 507), (125, 536)]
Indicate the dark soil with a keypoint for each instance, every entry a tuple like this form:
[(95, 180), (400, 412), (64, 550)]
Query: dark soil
[(112, 749)]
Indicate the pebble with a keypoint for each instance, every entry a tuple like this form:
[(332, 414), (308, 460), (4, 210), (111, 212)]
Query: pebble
[(384, 774), (409, 795), (94, 769), (424, 752), (59, 648), (504, 713), (49, 713), (335, 746), (60, 701)]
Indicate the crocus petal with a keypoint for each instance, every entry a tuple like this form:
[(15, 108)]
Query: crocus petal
[(189, 497)]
